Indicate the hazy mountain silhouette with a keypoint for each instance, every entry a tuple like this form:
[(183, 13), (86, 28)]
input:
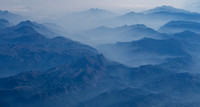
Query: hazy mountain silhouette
[(144, 51), (4, 23), (104, 35), (78, 21), (165, 8), (157, 17), (180, 26), (11, 17)]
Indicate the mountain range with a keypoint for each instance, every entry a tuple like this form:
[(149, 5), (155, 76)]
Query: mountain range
[(132, 65), (96, 17), (156, 17), (25, 49), (92, 80), (156, 51), (105, 35)]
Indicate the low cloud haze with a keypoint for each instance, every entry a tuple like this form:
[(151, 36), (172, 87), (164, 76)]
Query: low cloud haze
[(47, 7)]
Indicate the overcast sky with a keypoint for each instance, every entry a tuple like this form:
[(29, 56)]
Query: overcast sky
[(61, 6)]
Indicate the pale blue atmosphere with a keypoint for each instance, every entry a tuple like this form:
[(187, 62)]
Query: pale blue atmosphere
[(77, 5)]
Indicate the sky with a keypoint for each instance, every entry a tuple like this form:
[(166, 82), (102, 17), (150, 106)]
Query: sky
[(66, 6)]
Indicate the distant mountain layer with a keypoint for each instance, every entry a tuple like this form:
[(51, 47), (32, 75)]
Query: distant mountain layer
[(165, 8), (4, 23), (103, 35), (144, 51), (180, 26), (156, 17), (84, 20), (11, 17), (95, 12), (180, 50), (153, 18)]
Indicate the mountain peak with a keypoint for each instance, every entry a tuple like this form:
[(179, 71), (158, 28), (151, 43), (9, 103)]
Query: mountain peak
[(26, 26), (186, 32), (26, 23), (93, 12), (142, 26), (61, 39), (165, 7), (131, 14), (26, 30), (97, 10)]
